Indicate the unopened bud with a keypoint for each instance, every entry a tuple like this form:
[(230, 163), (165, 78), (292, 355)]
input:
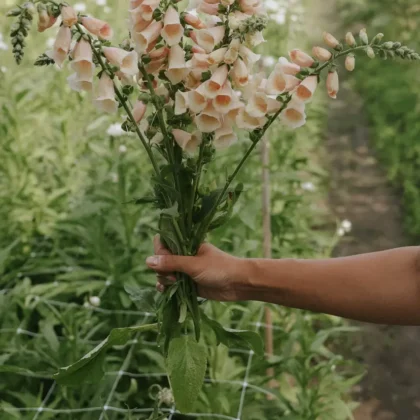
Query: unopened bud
[(30, 7), (370, 53), (95, 300), (321, 53), (350, 62), (388, 45), (377, 38), (330, 40), (363, 36), (350, 41)]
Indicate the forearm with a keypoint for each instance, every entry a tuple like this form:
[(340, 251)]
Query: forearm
[(382, 287)]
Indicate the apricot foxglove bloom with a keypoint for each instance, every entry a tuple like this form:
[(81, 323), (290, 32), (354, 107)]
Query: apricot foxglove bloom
[(306, 89), (105, 99), (301, 58), (209, 119), (294, 115), (210, 37), (332, 84), (177, 68), (68, 16), (187, 141), (125, 60), (172, 31), (98, 27), (145, 38), (61, 46)]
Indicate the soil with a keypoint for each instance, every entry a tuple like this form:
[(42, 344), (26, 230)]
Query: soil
[(361, 193)]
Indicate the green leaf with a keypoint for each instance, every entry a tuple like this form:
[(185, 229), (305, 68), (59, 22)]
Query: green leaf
[(89, 367), (186, 365), (236, 338), (172, 211), (143, 297)]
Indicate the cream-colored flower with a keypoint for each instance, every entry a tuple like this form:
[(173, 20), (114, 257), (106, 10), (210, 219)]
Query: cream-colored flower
[(236, 19), (177, 68), (61, 46), (181, 102), (217, 56), (105, 99), (248, 56), (232, 52), (80, 82), (172, 31), (294, 115), (139, 109), (279, 83), (260, 105), (350, 62), (187, 141), (332, 84), (83, 65), (225, 100), (224, 136), (254, 39), (301, 58), (286, 67), (98, 27), (209, 38), (209, 120), (197, 100), (208, 8), (248, 122), (160, 53), (127, 61), (240, 73), (251, 7), (144, 39), (330, 40), (321, 53), (215, 84), (307, 88), (145, 10), (194, 21), (69, 16)]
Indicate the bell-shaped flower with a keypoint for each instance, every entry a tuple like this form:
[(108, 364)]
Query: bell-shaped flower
[(144, 11), (208, 8), (240, 73), (260, 105), (98, 27), (181, 102), (225, 100), (286, 67), (209, 120), (224, 136), (187, 141), (321, 54), (177, 68), (45, 21), (251, 7), (301, 58), (294, 115), (68, 16), (197, 100), (127, 61), (279, 83), (143, 39), (209, 38), (257, 83), (194, 21), (307, 88), (155, 66), (83, 65), (216, 82), (159, 53), (248, 122), (248, 56), (332, 84), (80, 82), (172, 31), (139, 109), (105, 99), (232, 52), (217, 56), (61, 46)]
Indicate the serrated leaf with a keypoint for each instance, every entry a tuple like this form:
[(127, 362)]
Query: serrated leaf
[(236, 338), (186, 365), (89, 367)]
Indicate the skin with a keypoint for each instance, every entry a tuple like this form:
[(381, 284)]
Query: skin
[(380, 287)]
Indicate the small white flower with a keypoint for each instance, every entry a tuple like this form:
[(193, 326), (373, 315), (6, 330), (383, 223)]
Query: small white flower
[(79, 7), (341, 231), (115, 130), (50, 42), (308, 186), (346, 225), (95, 300), (122, 149)]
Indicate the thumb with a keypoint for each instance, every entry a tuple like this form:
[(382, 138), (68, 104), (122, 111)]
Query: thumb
[(168, 263)]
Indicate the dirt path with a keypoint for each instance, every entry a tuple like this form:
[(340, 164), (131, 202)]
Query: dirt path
[(361, 194)]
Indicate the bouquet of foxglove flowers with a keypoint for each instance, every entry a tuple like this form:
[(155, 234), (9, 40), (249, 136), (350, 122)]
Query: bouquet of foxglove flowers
[(185, 81)]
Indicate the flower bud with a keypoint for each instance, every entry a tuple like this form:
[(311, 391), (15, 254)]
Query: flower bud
[(377, 38), (330, 40), (139, 109), (332, 84), (45, 21), (363, 36), (69, 16), (95, 300), (350, 62), (97, 27), (370, 53), (321, 54), (194, 21), (301, 58), (61, 46), (388, 45), (350, 41)]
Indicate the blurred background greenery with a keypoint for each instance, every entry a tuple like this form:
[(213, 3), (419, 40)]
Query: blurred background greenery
[(70, 238)]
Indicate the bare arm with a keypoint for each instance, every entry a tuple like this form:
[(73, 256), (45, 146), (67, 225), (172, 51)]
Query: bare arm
[(381, 287)]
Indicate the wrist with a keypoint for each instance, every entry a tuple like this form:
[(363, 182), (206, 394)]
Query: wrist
[(243, 279)]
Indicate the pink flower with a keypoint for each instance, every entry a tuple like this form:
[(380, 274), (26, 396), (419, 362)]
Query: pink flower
[(144, 11), (61, 46), (45, 21), (285, 67), (139, 109), (260, 105), (279, 83), (294, 115), (215, 84), (196, 100), (105, 99), (69, 16), (98, 27), (251, 7), (181, 102), (80, 82), (249, 57), (172, 31), (83, 65), (330, 40), (125, 60), (209, 38), (209, 120), (225, 100), (160, 53), (143, 39), (332, 84), (240, 73), (187, 141), (248, 122), (217, 56), (321, 53), (177, 69), (224, 136), (350, 62), (307, 88), (300, 58), (194, 21), (208, 8)]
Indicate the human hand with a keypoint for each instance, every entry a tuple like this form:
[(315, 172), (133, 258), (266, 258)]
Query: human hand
[(217, 274)]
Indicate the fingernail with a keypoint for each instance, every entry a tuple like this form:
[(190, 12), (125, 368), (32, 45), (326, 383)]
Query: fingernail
[(152, 261)]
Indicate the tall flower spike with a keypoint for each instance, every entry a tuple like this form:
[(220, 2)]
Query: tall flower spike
[(209, 38), (125, 60), (177, 69), (61, 46), (301, 58), (98, 27), (332, 84), (69, 16), (105, 99), (172, 31)]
